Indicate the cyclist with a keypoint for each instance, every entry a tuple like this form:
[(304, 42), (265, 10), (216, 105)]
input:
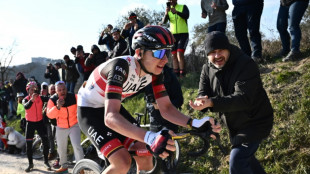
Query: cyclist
[(107, 123)]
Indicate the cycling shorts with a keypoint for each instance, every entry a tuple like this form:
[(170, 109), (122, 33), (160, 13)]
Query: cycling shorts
[(180, 43), (91, 122)]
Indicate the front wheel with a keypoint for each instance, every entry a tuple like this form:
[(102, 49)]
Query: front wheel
[(89, 166), (170, 163)]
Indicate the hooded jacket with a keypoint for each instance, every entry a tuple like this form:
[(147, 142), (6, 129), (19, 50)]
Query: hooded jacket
[(238, 95)]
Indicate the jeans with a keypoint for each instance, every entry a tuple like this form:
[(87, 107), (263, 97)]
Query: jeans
[(11, 106), (51, 131), (218, 27), (290, 17), (243, 161), (248, 18), (70, 86)]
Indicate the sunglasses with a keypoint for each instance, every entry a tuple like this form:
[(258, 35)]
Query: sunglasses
[(59, 82), (160, 54)]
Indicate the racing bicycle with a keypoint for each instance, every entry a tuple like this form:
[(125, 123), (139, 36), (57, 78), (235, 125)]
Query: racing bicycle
[(93, 166)]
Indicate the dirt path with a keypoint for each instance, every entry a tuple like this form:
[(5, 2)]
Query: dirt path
[(16, 164)]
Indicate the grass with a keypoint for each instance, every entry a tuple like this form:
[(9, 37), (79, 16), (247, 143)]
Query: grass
[(287, 149)]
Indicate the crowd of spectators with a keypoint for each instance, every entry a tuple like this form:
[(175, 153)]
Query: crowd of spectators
[(50, 108)]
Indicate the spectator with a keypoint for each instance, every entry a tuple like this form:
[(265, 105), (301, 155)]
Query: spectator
[(52, 132), (97, 57), (230, 84), (173, 87), (63, 107), (46, 121), (246, 16), (16, 141), (80, 59), (215, 9), (130, 28), (33, 104), (51, 73), (178, 14), (21, 111), (78, 66), (120, 45), (3, 137), (289, 16), (44, 89), (61, 71), (106, 38), (4, 96), (72, 75), (20, 83), (11, 99)]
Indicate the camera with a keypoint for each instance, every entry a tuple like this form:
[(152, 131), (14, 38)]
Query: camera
[(168, 4), (37, 91)]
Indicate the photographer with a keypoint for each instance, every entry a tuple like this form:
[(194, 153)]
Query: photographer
[(106, 38), (33, 104), (130, 28), (51, 73), (178, 15)]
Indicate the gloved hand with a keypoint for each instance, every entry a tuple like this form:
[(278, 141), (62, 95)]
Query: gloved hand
[(157, 141), (201, 124)]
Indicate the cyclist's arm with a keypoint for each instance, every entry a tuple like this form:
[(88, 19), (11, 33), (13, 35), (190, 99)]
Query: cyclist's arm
[(170, 112), (115, 121), (166, 108)]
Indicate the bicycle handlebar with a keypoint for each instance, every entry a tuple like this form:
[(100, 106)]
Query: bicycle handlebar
[(204, 134)]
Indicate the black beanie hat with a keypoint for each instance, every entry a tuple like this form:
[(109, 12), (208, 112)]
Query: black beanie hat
[(216, 40)]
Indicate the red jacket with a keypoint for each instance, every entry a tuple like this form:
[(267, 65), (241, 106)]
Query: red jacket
[(34, 109)]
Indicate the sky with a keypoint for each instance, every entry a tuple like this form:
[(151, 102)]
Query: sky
[(49, 28)]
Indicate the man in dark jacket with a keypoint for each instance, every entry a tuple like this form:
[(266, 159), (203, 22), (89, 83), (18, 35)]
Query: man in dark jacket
[(97, 57), (130, 28), (106, 38), (230, 84), (20, 83), (72, 74), (120, 45), (51, 73), (80, 59)]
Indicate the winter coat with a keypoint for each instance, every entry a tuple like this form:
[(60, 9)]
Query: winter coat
[(67, 115), (238, 95)]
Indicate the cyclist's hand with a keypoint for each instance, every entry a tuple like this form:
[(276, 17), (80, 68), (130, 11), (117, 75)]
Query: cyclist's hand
[(158, 142), (202, 124)]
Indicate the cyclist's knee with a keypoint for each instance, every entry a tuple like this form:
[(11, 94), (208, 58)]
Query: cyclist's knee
[(121, 160), (144, 163)]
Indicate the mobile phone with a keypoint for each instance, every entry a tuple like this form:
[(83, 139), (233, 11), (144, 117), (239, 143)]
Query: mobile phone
[(168, 4), (36, 91)]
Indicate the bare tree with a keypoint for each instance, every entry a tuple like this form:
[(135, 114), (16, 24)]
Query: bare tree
[(6, 59)]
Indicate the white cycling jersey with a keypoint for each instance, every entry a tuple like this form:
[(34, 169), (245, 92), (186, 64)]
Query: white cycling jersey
[(116, 78)]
